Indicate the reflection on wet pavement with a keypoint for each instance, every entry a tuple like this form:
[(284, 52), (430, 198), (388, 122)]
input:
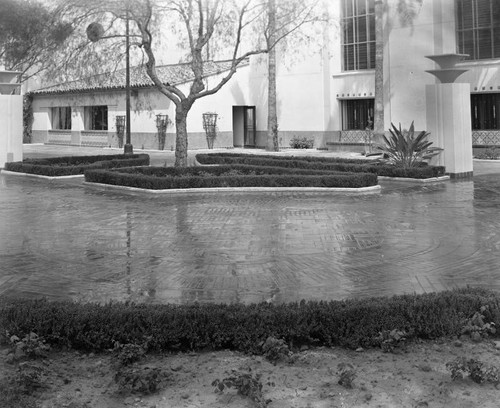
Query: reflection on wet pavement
[(62, 240)]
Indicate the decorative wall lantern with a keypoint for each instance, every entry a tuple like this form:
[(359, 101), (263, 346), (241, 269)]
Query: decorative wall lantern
[(120, 129), (210, 126), (447, 72), (161, 125)]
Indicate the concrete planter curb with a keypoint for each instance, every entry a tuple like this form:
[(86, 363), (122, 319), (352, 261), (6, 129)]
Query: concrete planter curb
[(415, 180), (101, 186), (15, 173)]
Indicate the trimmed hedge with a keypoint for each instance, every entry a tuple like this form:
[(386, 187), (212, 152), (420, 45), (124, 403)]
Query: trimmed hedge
[(159, 178), (67, 166), (350, 323), (204, 158), (325, 164)]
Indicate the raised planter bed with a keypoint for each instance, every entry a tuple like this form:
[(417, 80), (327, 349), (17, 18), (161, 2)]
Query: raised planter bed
[(228, 176), (75, 165)]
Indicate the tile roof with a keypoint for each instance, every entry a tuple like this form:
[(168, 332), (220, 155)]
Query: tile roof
[(172, 74)]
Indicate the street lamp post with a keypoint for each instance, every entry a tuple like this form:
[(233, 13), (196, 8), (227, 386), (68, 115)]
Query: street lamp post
[(95, 33), (128, 148)]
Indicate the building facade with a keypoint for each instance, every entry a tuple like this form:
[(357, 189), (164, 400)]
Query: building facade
[(326, 95)]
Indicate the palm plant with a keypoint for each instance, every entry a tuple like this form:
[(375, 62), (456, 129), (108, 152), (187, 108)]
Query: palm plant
[(403, 149)]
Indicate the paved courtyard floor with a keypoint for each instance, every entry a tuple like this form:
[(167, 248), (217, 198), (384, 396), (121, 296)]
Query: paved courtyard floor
[(64, 240)]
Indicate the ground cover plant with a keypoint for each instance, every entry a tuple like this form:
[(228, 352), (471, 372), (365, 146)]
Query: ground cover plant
[(73, 165), (422, 171), (234, 175), (490, 153)]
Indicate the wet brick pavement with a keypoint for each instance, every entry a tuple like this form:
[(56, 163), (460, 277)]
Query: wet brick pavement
[(62, 240)]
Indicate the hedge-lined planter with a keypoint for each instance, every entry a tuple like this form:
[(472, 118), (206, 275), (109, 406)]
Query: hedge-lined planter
[(323, 163), (75, 165), (164, 178), (349, 323)]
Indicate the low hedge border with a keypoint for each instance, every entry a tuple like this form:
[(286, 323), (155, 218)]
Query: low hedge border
[(325, 164), (349, 323), (163, 178), (73, 165), (311, 159)]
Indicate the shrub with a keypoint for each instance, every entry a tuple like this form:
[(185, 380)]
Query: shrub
[(406, 150), (301, 143), (246, 384), (157, 178), (214, 158), (348, 323), (127, 354), (275, 350), (490, 153), (477, 327), (421, 171), (30, 346), (478, 371), (347, 374), (67, 166), (390, 340), (142, 380), (29, 377)]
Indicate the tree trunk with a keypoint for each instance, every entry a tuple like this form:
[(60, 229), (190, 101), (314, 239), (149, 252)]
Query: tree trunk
[(378, 121), (272, 114), (181, 138)]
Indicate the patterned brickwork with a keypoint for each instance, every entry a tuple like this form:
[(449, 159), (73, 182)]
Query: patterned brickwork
[(65, 241)]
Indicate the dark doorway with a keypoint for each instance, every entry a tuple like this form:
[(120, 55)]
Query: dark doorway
[(244, 129), (249, 126)]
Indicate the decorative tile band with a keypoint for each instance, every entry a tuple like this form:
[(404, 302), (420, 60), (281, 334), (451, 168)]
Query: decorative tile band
[(59, 137), (95, 139), (354, 136), (485, 137)]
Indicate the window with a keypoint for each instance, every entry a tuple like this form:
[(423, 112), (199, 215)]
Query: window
[(61, 118), (96, 117), (357, 114), (485, 110), (478, 28), (358, 34)]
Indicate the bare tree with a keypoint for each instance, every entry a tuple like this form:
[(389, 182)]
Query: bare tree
[(272, 111), (230, 29), (407, 11), (283, 23), (378, 115), (201, 20), (230, 25)]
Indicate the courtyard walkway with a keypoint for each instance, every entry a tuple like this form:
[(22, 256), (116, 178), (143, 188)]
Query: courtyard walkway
[(63, 240)]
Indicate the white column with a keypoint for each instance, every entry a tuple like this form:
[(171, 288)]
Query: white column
[(449, 122), (77, 124), (11, 128)]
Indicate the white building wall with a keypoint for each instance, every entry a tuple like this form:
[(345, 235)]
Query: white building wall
[(311, 88), (11, 128)]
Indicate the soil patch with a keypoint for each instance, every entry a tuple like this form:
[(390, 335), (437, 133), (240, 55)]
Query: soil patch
[(415, 377)]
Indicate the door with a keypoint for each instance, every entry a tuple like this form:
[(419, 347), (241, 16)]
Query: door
[(249, 126)]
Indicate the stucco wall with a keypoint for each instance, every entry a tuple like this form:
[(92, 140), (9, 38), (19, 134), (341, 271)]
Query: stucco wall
[(311, 85), (11, 128)]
